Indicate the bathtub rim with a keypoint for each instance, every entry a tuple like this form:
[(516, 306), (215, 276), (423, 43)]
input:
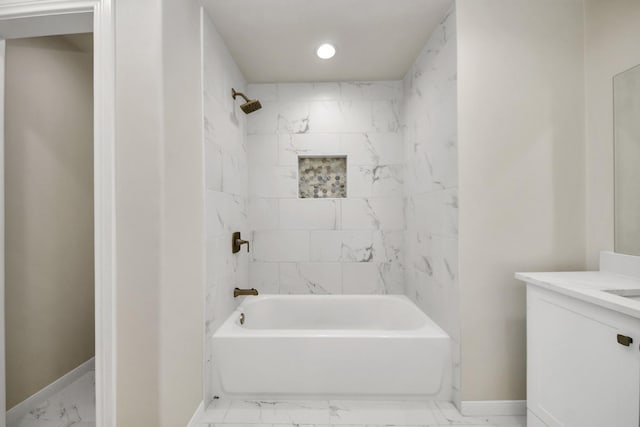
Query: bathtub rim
[(231, 327)]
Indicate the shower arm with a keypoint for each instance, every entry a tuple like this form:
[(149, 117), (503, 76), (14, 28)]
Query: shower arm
[(234, 94)]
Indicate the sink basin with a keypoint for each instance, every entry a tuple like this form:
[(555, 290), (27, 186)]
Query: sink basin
[(633, 294)]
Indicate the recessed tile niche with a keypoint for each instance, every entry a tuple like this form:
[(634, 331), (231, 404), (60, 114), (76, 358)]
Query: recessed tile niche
[(322, 177)]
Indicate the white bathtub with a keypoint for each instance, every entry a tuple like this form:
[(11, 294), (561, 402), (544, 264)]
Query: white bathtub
[(345, 346)]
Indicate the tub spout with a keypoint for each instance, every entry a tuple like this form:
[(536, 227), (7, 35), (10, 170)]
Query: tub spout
[(237, 292)]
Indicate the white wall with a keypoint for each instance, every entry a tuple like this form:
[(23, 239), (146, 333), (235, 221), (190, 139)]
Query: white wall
[(431, 183), (611, 47), (139, 180), (49, 279), (521, 180), (183, 274), (227, 192), (349, 245), (160, 212)]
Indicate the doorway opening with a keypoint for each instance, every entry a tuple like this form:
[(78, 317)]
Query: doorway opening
[(49, 255), (57, 189)]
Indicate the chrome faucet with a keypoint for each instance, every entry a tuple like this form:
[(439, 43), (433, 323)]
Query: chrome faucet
[(237, 292), (237, 242)]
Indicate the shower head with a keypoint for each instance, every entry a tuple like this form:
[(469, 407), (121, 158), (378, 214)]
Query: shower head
[(250, 105)]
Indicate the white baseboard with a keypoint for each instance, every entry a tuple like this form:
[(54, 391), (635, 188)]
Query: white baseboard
[(480, 408), (23, 408), (195, 420)]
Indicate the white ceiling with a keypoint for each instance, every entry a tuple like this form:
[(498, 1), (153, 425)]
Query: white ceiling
[(275, 40)]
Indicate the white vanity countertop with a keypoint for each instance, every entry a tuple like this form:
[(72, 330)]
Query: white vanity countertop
[(589, 286)]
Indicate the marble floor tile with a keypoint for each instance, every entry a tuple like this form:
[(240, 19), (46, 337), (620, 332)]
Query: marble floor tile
[(235, 425), (72, 406), (453, 417), (382, 413), (49, 423), (216, 411), (506, 420), (521, 423), (310, 412), (344, 413)]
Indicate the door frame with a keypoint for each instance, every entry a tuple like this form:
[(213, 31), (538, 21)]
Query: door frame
[(104, 189)]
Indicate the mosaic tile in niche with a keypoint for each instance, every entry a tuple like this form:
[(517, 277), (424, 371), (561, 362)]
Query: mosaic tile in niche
[(322, 177)]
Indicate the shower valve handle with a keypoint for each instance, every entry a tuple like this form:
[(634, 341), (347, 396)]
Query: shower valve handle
[(241, 242), (237, 242)]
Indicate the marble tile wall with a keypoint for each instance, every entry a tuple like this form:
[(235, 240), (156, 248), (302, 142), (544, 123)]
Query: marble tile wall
[(227, 187), (349, 245), (431, 183)]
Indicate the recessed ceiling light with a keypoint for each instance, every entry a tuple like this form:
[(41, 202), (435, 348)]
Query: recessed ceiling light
[(326, 51)]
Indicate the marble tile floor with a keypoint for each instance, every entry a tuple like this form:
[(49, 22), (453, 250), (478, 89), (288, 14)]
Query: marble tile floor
[(238, 413), (73, 406)]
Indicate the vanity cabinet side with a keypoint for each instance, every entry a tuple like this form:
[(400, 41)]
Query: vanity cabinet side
[(578, 374)]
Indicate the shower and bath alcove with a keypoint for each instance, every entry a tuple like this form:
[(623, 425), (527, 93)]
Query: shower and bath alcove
[(342, 188)]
